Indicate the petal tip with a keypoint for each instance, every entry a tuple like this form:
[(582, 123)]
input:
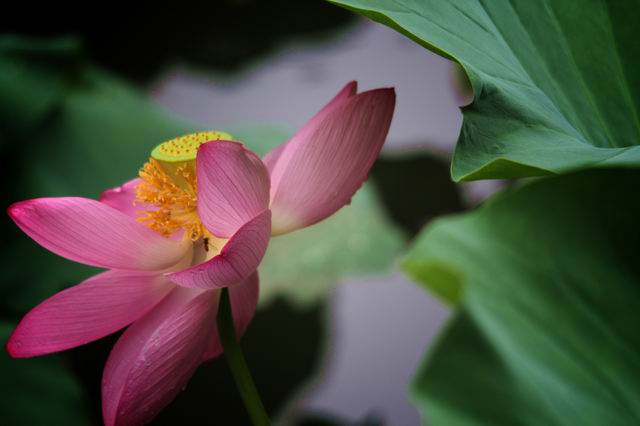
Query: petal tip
[(14, 346), (352, 87), (385, 92), (107, 192), (16, 209), (333, 156), (11, 348)]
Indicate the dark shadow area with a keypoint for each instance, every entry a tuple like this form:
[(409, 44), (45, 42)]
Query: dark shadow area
[(138, 41), (415, 188)]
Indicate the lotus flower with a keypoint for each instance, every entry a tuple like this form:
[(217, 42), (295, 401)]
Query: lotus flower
[(196, 220)]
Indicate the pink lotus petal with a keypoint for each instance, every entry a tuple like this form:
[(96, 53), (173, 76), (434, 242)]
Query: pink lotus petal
[(90, 232), (349, 90), (244, 301), (155, 358), (122, 198), (99, 306), (233, 186), (271, 159), (326, 162), (238, 259)]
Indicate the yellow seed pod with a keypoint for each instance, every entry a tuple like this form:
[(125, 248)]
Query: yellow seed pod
[(177, 156), (185, 148)]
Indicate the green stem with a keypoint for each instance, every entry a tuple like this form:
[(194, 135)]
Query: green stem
[(237, 363)]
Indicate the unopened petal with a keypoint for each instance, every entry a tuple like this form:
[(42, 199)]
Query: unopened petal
[(347, 91), (325, 163)]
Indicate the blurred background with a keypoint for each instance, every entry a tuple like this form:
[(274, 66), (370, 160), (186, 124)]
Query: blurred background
[(82, 104)]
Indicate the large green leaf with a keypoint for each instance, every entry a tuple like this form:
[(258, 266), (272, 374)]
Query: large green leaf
[(548, 278), (556, 83)]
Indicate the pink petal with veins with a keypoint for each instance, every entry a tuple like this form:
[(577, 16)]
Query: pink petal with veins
[(99, 306), (233, 186), (155, 358), (324, 164), (90, 232), (238, 259), (122, 198), (350, 89)]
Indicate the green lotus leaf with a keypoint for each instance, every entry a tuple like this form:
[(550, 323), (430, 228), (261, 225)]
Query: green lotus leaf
[(546, 277), (556, 83)]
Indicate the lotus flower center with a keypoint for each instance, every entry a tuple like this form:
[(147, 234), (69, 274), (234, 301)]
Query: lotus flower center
[(167, 192)]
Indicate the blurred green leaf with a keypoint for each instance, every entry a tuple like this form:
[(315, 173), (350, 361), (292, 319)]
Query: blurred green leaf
[(100, 137), (260, 137), (34, 76), (557, 84), (39, 391), (547, 276)]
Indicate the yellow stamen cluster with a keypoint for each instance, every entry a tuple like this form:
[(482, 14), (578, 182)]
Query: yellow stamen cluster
[(176, 205), (169, 185)]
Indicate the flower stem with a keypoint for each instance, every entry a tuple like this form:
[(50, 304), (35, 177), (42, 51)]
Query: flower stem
[(237, 363)]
